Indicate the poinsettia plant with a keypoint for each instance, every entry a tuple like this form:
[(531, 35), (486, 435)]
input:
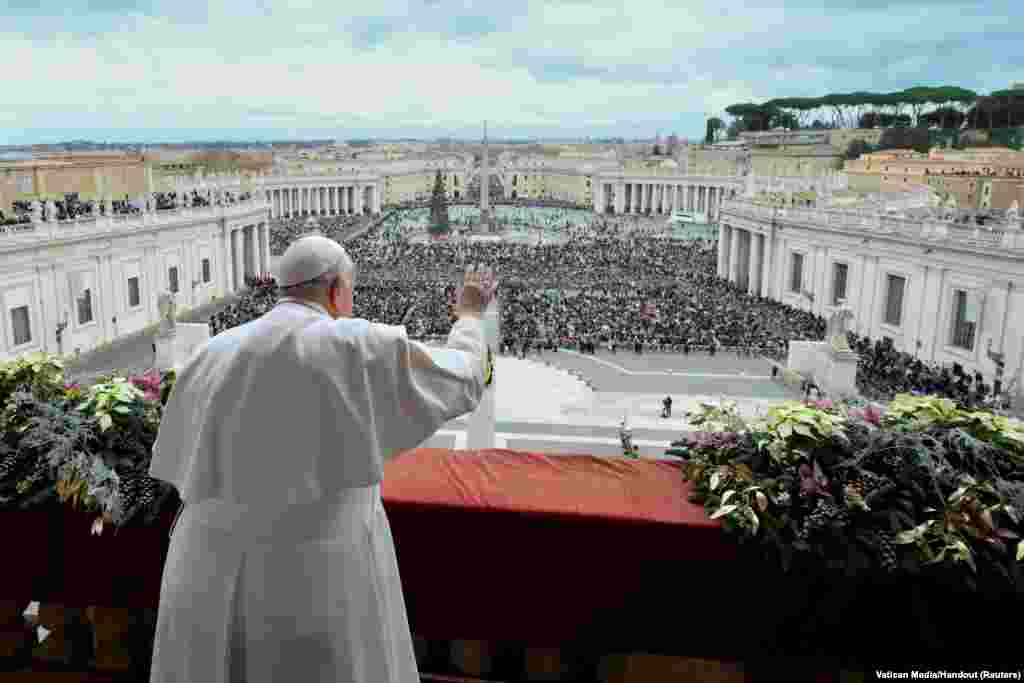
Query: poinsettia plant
[(87, 447), (869, 488)]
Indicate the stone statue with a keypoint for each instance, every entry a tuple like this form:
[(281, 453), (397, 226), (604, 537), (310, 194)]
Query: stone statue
[(838, 324), (167, 307), (108, 207), (188, 200), (179, 201), (1013, 215), (37, 211), (51, 211)]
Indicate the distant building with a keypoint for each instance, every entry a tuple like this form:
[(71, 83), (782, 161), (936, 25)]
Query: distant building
[(989, 177), (91, 176)]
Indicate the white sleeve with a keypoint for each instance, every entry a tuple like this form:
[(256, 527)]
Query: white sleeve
[(424, 388)]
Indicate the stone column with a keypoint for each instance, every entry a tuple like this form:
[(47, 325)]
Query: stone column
[(236, 255), (261, 258), (754, 281), (620, 198), (252, 245), (226, 263), (734, 256), (723, 254)]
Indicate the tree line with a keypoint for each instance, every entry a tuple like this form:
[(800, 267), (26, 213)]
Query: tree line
[(947, 107)]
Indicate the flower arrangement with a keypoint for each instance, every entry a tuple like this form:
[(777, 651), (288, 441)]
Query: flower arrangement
[(85, 447), (918, 485)]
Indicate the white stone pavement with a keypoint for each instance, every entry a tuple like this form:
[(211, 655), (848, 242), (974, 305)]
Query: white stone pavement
[(545, 402)]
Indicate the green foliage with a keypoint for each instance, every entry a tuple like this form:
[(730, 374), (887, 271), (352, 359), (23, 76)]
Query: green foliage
[(88, 448), (723, 417), (912, 487), (846, 109)]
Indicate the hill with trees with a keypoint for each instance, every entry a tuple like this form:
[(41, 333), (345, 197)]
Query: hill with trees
[(944, 107), (938, 112)]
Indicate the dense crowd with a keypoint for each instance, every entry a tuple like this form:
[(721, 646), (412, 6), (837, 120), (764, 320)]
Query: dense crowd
[(613, 289), (338, 228), (883, 371), (72, 207)]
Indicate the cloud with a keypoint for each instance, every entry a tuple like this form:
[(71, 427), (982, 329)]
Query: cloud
[(429, 68)]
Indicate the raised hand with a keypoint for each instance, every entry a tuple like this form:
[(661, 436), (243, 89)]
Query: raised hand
[(476, 292)]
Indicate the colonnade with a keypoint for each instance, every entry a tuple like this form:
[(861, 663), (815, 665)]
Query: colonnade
[(246, 254), (744, 258), (660, 198), (323, 200)]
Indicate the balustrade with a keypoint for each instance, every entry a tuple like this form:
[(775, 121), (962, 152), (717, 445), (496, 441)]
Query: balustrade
[(860, 220), (64, 229)]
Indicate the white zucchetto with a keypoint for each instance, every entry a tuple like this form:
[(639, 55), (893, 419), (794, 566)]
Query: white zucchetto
[(308, 258)]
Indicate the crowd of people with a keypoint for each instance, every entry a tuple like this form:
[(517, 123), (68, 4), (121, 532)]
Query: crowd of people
[(338, 228), (71, 207), (884, 371), (610, 288)]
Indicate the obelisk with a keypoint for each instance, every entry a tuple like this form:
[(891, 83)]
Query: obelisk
[(485, 188)]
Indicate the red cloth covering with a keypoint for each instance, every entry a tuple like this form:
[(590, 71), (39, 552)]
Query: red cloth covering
[(557, 548)]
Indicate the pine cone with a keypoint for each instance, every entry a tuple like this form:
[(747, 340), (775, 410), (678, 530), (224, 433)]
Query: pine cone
[(13, 463)]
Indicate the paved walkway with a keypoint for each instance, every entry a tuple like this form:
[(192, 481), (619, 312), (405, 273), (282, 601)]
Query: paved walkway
[(132, 353)]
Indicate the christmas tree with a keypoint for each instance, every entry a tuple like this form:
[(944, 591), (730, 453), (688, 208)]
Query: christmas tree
[(438, 209)]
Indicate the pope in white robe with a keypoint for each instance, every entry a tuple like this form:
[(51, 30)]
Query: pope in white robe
[(281, 566)]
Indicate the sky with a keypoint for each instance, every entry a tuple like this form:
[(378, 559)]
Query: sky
[(185, 70)]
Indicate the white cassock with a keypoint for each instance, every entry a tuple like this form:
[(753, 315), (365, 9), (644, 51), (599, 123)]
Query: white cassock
[(281, 566)]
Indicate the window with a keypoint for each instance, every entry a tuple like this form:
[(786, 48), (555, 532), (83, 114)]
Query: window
[(20, 325), (84, 303), (81, 293), (796, 276), (839, 273), (965, 320), (206, 270), (134, 298), (172, 276), (894, 300)]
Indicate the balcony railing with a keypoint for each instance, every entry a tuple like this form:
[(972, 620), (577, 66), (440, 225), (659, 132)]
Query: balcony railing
[(869, 222), (66, 229)]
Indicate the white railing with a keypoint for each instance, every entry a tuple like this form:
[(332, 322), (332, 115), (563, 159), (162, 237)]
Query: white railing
[(864, 222), (97, 225)]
